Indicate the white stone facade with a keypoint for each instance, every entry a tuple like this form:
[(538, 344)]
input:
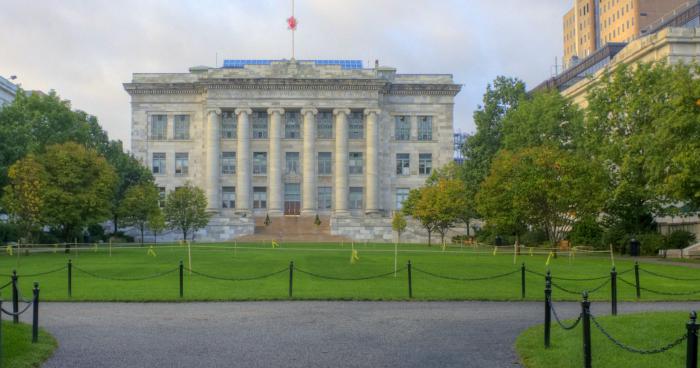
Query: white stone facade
[(282, 111)]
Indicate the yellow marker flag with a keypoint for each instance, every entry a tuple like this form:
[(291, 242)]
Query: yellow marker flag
[(275, 245), (530, 248), (444, 246), (549, 257), (151, 251), (354, 257), (495, 249), (55, 246), (9, 249), (95, 248)]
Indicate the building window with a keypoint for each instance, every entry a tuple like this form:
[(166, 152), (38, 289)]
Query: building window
[(324, 198), (182, 163), (228, 163), (228, 197), (425, 163), (291, 125), (228, 125), (161, 197), (159, 127), (259, 163), (292, 163), (355, 162), (402, 128), (403, 164), (425, 128), (182, 127), (355, 125), (324, 121), (259, 119), (325, 163), (158, 163), (259, 197), (355, 198), (401, 196)]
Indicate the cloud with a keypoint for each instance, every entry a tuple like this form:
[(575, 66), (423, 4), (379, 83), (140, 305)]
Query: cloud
[(85, 50)]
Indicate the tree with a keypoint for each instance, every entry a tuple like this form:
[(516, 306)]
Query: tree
[(130, 173), (544, 118), (80, 184), (466, 210), (35, 121), (436, 206), (140, 203), (479, 149), (156, 223), (417, 207), (24, 195), (541, 187), (398, 224), (185, 209)]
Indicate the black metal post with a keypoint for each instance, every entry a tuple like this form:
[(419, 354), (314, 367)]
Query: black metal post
[(291, 277), (613, 291), (182, 269), (35, 314), (70, 278), (691, 358), (522, 280), (547, 309), (15, 298), (0, 332), (410, 281), (636, 278), (586, 319)]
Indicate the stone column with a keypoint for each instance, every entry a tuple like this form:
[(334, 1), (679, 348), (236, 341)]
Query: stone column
[(372, 170), (275, 165), (308, 191), (212, 141), (341, 161), (243, 162)]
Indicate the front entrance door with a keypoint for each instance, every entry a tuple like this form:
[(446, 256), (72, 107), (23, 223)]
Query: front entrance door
[(292, 199)]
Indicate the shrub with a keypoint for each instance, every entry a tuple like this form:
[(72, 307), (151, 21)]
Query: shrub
[(587, 232), (650, 243), (680, 239), (534, 237)]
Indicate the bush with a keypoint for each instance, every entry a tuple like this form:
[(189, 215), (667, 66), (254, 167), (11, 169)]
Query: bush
[(8, 232), (534, 237), (97, 232), (679, 239), (587, 232), (651, 243)]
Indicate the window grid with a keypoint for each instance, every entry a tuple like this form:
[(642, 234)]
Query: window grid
[(324, 121), (228, 163), (425, 128), (259, 197), (158, 163), (402, 128), (259, 163), (291, 125), (259, 119), (228, 197), (355, 198), (325, 198), (355, 162), (355, 125), (228, 125), (182, 163), (325, 163), (425, 163), (292, 163), (401, 196), (181, 129), (159, 127), (403, 164)]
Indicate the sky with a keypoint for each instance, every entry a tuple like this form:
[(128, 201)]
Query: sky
[(86, 49)]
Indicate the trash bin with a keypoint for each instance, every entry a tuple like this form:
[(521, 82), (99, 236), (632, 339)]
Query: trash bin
[(634, 247)]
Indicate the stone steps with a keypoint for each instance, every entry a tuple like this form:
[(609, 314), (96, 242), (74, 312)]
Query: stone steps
[(293, 228)]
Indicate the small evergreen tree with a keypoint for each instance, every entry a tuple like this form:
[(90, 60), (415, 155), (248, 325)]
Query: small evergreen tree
[(317, 221), (267, 220)]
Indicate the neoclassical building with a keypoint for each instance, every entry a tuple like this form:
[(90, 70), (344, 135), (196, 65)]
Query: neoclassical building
[(294, 138)]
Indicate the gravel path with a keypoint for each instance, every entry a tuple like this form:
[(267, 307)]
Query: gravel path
[(299, 334)]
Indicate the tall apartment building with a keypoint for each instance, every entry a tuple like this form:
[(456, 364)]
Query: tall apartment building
[(287, 138), (591, 24)]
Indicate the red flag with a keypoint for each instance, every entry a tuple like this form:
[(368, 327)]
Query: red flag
[(292, 23)]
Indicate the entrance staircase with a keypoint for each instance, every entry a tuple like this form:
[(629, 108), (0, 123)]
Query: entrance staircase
[(293, 229)]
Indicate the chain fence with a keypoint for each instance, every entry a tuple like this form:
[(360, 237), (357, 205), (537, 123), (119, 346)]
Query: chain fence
[(349, 278), (114, 278), (559, 322), (465, 278), (631, 349), (221, 278), (573, 292), (667, 276), (667, 293)]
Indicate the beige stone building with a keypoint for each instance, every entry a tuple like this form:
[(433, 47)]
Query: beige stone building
[(591, 24), (294, 138)]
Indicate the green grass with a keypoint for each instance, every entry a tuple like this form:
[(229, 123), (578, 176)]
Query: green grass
[(246, 260), (642, 331), (18, 350)]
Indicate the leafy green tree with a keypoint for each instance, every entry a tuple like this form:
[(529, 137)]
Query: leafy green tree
[(185, 209), (140, 203), (437, 207), (544, 118), (35, 121), (24, 195), (466, 210), (156, 223), (418, 205), (479, 149), (80, 184), (398, 224), (541, 187)]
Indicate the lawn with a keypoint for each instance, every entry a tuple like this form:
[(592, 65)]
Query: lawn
[(642, 331), (333, 260), (18, 350)]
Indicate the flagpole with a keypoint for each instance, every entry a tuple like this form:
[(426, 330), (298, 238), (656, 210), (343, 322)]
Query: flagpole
[(293, 31)]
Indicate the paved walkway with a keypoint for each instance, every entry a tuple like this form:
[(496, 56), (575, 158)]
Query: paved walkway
[(299, 334)]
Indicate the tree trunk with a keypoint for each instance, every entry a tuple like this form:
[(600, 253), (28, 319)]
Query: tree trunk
[(142, 226), (430, 231), (467, 223), (115, 224), (184, 235)]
